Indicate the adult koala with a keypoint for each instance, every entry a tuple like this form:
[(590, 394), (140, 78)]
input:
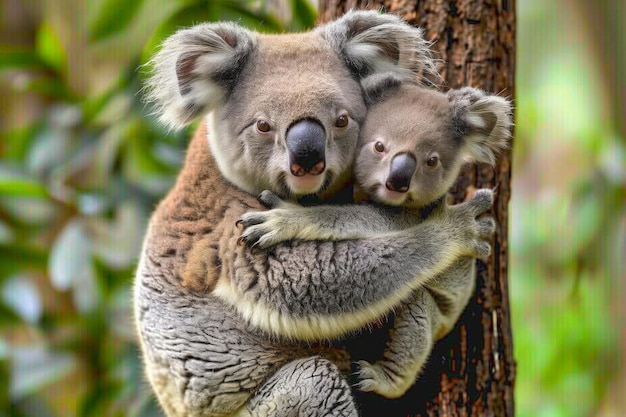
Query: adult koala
[(219, 322)]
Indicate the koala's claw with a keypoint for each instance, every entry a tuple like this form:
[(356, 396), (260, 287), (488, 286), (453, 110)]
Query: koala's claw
[(263, 229), (481, 227), (380, 379), (269, 199), (482, 250), (481, 202), (486, 227)]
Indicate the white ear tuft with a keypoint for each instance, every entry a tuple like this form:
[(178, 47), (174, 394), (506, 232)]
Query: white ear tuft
[(194, 70), (485, 122), (370, 42)]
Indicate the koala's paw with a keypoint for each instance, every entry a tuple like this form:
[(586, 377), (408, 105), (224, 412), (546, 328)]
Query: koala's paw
[(477, 227), (266, 228), (379, 378)]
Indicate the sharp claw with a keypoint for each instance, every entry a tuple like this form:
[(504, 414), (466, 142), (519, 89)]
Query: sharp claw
[(238, 223)]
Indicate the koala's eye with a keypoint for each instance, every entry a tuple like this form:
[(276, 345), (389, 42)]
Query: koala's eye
[(379, 147), (263, 126), (432, 161), (342, 121)]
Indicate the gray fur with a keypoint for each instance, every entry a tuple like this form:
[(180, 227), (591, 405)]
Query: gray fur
[(374, 43), (210, 354), (483, 123), (183, 82)]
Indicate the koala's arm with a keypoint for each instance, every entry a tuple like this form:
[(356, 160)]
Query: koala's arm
[(306, 290), (288, 221), (426, 316), (316, 290)]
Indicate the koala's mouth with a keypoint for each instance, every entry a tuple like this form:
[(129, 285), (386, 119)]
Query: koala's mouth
[(386, 196), (305, 184)]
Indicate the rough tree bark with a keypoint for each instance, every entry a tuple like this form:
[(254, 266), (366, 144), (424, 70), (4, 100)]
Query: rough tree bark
[(471, 371)]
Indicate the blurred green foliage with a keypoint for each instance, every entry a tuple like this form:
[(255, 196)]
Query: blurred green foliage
[(567, 210), (82, 166)]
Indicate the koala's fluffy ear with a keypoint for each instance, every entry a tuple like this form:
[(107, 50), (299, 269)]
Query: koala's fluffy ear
[(484, 121), (370, 42), (194, 69), (375, 87)]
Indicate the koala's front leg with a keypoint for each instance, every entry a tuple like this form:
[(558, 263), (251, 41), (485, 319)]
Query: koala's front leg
[(408, 347), (287, 221), (320, 290), (452, 290), (427, 316), (305, 387)]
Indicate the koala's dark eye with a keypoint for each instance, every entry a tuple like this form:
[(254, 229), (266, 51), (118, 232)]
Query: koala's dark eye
[(379, 147), (432, 161), (342, 121), (263, 126)]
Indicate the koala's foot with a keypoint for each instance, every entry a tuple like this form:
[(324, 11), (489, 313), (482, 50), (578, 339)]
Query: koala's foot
[(478, 228), (311, 387), (268, 228), (381, 378), (264, 229)]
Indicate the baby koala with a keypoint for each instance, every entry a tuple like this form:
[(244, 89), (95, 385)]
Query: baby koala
[(412, 146)]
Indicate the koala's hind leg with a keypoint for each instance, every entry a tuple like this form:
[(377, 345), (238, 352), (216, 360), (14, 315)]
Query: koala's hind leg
[(408, 346), (307, 387)]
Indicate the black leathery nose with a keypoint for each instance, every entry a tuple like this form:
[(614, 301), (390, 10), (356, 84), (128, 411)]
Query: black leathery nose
[(306, 143), (400, 173)]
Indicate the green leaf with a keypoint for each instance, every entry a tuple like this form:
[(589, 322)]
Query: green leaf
[(70, 257), (34, 367), (7, 316), (16, 142), (12, 58), (14, 256), (17, 187), (304, 15), (52, 87), (242, 13), (185, 17), (20, 294), (50, 49), (71, 266), (113, 18)]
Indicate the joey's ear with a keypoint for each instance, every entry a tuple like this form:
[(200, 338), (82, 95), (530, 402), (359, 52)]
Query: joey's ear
[(370, 42), (375, 87), (194, 69), (484, 120)]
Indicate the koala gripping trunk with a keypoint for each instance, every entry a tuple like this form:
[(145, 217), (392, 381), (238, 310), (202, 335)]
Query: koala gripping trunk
[(472, 370)]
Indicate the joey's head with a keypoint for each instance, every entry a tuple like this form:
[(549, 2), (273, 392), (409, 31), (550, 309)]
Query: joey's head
[(283, 111), (415, 140)]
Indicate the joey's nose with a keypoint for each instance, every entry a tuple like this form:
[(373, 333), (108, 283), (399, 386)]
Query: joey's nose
[(402, 169), (306, 144)]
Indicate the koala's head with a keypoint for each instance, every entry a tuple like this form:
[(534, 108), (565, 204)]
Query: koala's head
[(415, 140), (284, 110)]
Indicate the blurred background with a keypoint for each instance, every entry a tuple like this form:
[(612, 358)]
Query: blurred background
[(82, 166)]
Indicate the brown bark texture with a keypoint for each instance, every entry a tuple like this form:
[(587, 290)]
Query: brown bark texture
[(471, 371)]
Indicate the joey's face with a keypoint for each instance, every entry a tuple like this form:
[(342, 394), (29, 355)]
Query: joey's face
[(292, 119), (409, 150)]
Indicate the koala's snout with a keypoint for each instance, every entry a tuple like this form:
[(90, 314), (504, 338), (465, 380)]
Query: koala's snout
[(306, 143), (402, 169)]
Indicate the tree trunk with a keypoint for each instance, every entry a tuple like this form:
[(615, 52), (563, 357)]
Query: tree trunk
[(471, 371)]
